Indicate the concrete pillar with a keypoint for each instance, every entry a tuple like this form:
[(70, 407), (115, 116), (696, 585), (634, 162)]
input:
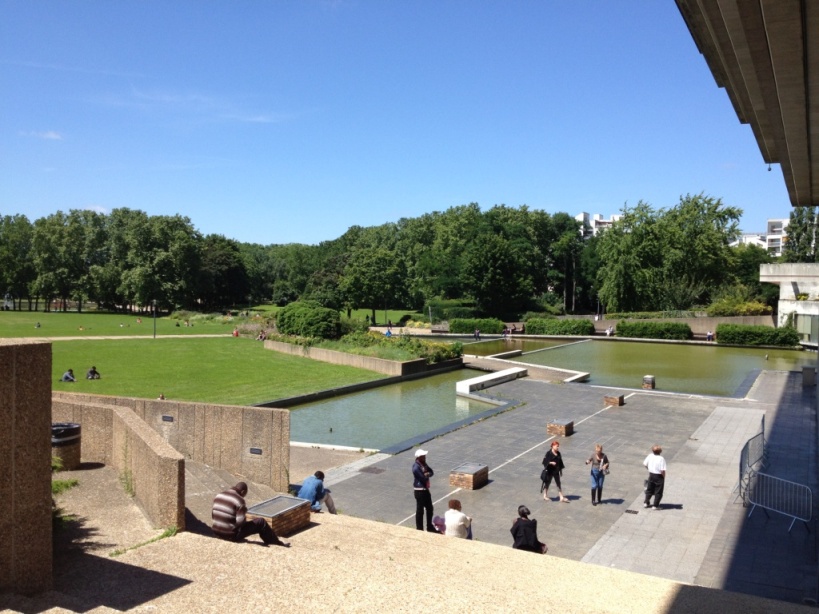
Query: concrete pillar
[(25, 466)]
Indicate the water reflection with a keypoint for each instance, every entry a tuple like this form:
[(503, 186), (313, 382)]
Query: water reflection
[(384, 416), (695, 369)]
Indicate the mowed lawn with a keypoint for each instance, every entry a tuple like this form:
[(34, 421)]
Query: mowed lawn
[(92, 324), (235, 371)]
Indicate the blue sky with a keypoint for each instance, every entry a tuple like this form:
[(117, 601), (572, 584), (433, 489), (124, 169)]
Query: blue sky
[(290, 121)]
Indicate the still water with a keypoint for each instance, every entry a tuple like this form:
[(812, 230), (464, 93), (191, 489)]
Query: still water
[(696, 369), (385, 416), (497, 346)]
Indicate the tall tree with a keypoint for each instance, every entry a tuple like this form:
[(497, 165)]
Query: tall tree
[(801, 243), (17, 272)]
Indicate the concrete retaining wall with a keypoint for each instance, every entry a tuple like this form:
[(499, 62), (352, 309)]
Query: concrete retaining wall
[(25, 467), (379, 365), (149, 468), (253, 442)]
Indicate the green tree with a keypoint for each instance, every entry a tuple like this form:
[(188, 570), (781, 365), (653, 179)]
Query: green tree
[(17, 272), (223, 279), (373, 279), (801, 243)]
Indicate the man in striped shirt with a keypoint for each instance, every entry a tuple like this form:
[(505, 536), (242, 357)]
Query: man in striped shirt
[(229, 520)]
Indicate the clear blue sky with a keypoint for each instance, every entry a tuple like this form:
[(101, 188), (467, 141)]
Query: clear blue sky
[(290, 121)]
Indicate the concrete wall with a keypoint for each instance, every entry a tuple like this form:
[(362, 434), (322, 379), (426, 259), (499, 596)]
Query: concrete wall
[(379, 365), (792, 279), (25, 467), (221, 436), (149, 468)]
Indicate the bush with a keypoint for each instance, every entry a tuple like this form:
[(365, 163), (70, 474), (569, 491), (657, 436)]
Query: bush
[(308, 319), (490, 326), (544, 326), (649, 315), (450, 309), (741, 334), (529, 315), (727, 308), (655, 330), (398, 345)]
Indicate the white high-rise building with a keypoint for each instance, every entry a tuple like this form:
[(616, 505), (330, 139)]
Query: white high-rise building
[(772, 240), (595, 223)]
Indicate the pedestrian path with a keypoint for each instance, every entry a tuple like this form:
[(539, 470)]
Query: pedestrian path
[(701, 536), (673, 540)]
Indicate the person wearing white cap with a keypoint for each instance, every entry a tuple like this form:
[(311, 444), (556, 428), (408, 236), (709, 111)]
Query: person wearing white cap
[(421, 472)]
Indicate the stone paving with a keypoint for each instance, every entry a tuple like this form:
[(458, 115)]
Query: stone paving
[(701, 535)]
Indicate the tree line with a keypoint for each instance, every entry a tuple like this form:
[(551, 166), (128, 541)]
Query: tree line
[(503, 261)]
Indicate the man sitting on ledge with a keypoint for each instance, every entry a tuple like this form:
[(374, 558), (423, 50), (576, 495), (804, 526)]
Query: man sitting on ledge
[(313, 490), (229, 520)]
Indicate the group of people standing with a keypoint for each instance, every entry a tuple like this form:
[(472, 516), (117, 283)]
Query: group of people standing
[(524, 528)]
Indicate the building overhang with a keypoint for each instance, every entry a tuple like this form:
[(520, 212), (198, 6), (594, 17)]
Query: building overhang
[(760, 51)]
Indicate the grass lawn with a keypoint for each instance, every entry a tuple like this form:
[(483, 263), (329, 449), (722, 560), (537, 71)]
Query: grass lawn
[(93, 324), (235, 371)]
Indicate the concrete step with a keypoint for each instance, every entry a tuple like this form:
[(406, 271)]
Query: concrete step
[(203, 483)]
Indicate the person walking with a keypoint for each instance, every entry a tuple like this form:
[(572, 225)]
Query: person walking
[(655, 484), (421, 472), (524, 532), (599, 468), (553, 470)]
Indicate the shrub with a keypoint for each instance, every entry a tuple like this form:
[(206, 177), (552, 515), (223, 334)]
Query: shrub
[(490, 326), (308, 319), (649, 315), (654, 330), (544, 326), (741, 334), (529, 315), (449, 309), (727, 308)]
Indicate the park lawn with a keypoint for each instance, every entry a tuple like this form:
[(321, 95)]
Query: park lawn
[(94, 324), (234, 371)]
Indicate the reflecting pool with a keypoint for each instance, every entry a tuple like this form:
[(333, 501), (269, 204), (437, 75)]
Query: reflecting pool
[(696, 369), (497, 346), (385, 416)]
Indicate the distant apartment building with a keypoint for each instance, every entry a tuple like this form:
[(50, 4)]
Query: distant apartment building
[(593, 224), (772, 240)]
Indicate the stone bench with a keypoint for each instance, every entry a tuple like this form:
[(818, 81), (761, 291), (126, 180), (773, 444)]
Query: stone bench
[(563, 429), (469, 476), (614, 400), (285, 514)]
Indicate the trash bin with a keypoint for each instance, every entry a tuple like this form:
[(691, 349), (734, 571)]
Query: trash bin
[(648, 382), (66, 441)]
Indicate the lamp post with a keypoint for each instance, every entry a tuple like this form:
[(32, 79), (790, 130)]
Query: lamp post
[(154, 318)]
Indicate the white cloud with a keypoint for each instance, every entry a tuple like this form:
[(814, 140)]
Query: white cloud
[(48, 135)]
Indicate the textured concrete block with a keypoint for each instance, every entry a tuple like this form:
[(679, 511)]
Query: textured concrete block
[(25, 464)]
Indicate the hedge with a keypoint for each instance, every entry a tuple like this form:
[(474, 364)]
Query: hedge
[(490, 326), (650, 315), (743, 334), (544, 326), (308, 319), (654, 330)]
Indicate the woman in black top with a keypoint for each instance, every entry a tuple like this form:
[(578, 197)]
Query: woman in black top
[(524, 531), (553, 463)]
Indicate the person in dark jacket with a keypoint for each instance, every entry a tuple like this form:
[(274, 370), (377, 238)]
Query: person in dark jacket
[(524, 532), (421, 472), (229, 520), (553, 463)]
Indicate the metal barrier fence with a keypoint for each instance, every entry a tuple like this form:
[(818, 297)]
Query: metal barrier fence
[(752, 457), (781, 496)]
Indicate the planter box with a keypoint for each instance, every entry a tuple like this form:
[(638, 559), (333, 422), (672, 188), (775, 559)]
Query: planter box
[(563, 429), (469, 476), (617, 401), (285, 514)]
